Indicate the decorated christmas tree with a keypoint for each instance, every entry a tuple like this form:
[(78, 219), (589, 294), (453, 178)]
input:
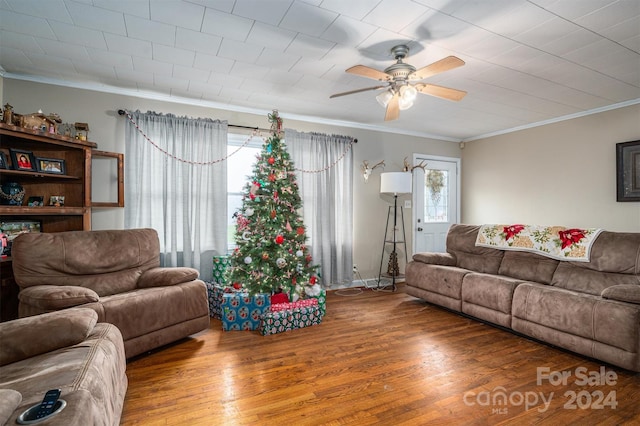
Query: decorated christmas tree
[(271, 255)]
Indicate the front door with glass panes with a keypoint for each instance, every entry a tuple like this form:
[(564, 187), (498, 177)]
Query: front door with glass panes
[(435, 200)]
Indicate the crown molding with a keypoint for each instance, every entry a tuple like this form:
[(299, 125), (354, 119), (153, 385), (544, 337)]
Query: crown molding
[(555, 120)]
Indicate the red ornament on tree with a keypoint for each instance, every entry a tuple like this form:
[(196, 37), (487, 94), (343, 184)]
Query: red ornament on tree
[(300, 231), (313, 280), (271, 160), (279, 239), (237, 286)]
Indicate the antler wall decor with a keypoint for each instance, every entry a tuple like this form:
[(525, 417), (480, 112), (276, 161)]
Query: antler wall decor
[(409, 168), (366, 170)]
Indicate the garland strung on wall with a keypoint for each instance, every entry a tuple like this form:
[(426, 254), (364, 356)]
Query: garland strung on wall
[(332, 164), (182, 160), (219, 160)]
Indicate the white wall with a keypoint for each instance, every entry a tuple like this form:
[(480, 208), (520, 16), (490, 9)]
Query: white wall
[(107, 130), (559, 174)]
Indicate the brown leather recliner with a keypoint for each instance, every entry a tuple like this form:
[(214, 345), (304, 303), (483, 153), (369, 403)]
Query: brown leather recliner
[(116, 273)]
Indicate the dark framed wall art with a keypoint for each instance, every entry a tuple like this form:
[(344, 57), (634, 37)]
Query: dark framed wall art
[(628, 171)]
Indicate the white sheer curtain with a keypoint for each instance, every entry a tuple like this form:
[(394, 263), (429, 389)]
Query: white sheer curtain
[(327, 200), (175, 185)]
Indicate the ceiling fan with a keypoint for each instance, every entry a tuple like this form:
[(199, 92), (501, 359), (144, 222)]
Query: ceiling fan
[(399, 78)]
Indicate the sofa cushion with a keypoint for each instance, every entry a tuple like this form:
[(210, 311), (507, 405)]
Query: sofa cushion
[(574, 277), (625, 293), (562, 310), (432, 258), (39, 334), (461, 243), (617, 252), (108, 262), (159, 277), (9, 401), (53, 298), (528, 266), (592, 317), (490, 291), (445, 280), (143, 311), (488, 297)]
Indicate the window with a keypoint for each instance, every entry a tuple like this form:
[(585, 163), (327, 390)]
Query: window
[(239, 170), (436, 196)]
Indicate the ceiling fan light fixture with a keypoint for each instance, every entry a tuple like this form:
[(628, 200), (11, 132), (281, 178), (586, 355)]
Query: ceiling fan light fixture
[(404, 103), (398, 92), (408, 93), (384, 98)]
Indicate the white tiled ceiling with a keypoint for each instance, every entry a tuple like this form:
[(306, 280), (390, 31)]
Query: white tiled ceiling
[(527, 61)]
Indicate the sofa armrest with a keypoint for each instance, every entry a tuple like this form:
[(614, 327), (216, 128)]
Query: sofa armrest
[(30, 336), (444, 259), (9, 400), (161, 277), (55, 297), (623, 292)]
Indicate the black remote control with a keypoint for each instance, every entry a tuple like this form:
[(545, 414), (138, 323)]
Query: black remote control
[(48, 403)]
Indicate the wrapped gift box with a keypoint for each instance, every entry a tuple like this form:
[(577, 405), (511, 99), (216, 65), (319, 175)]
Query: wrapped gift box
[(241, 311), (220, 265), (292, 305), (214, 294), (322, 300), (290, 319)]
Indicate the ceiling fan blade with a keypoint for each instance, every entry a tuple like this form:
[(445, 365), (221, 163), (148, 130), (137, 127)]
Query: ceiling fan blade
[(393, 109), (445, 64), (351, 92), (441, 92), (364, 71)]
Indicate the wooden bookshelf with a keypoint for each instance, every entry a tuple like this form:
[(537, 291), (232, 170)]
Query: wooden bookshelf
[(74, 184)]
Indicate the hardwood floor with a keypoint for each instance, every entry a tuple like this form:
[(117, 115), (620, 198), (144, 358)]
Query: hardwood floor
[(377, 358)]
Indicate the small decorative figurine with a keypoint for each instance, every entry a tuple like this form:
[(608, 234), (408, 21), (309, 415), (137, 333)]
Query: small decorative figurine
[(7, 116)]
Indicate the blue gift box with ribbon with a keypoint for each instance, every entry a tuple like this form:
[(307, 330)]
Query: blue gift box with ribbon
[(242, 311)]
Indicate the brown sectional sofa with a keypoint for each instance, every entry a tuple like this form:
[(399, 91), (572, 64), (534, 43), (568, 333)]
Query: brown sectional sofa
[(66, 350), (117, 274), (591, 308)]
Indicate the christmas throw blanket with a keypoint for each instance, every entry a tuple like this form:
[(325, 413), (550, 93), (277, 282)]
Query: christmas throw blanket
[(556, 242)]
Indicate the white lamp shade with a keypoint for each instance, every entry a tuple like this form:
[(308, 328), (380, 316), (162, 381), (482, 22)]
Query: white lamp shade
[(384, 98), (404, 104), (395, 183)]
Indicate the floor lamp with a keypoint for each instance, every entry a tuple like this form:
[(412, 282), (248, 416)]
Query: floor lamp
[(394, 183)]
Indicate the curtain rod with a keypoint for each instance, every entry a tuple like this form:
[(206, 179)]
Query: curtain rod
[(123, 112)]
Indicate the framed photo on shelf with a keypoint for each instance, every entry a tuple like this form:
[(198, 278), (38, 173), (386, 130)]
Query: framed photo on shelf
[(22, 160), (628, 171), (35, 201), (56, 200), (3, 161), (50, 165)]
